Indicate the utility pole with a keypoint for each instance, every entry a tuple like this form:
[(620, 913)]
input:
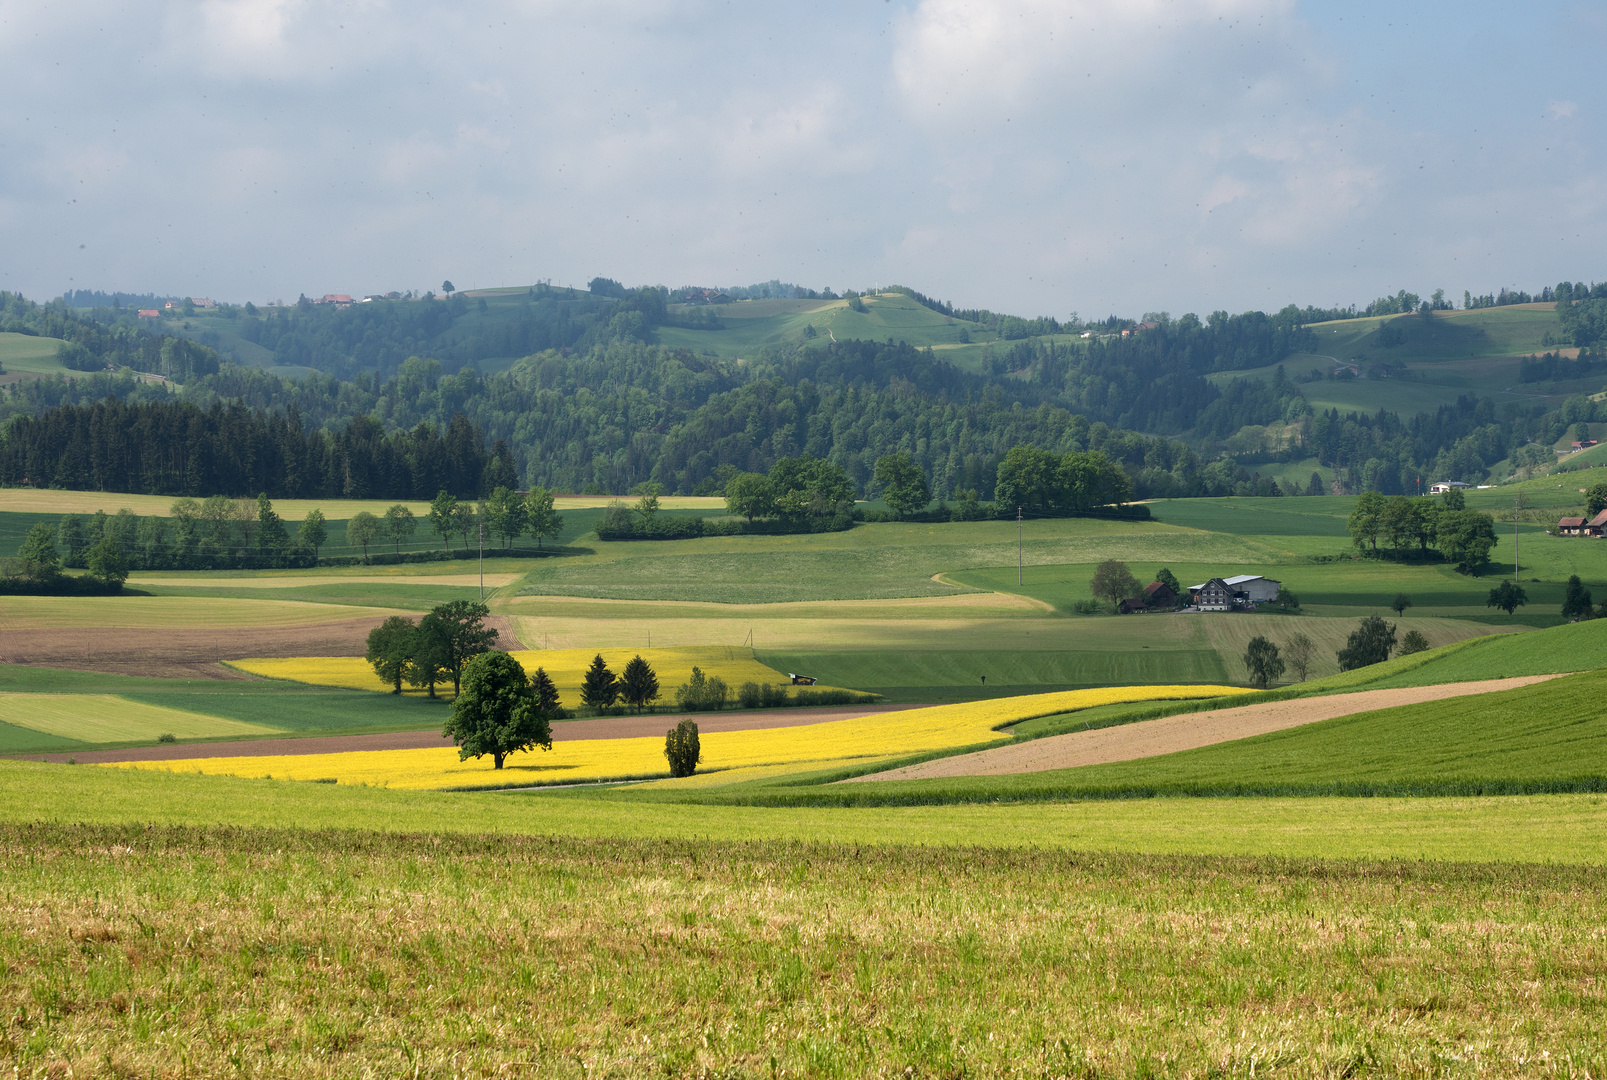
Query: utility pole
[(482, 559), (1517, 504), (1018, 545)]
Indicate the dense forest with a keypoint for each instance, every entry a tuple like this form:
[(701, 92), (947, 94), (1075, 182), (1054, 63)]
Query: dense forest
[(597, 407)]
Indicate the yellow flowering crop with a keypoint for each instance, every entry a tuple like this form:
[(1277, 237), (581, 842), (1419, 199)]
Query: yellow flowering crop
[(566, 667), (754, 753)]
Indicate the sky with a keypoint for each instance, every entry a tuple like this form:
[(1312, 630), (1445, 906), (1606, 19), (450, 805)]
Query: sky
[(1039, 157)]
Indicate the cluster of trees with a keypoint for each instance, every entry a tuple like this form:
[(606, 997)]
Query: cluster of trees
[(637, 686), (1050, 484), (434, 649), (197, 533), (796, 488), (38, 565), (1371, 642), (1417, 525)]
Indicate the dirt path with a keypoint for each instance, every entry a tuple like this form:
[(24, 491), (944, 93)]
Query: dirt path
[(1169, 734), (607, 727), (195, 652)]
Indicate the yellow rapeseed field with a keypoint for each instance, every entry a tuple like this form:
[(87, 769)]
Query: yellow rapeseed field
[(566, 667), (748, 754)]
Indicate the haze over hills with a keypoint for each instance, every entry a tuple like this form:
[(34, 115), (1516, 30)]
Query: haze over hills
[(605, 388)]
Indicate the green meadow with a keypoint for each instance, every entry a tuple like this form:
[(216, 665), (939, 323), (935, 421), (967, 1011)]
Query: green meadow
[(25, 354)]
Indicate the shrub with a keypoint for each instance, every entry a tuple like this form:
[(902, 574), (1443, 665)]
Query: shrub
[(749, 696), (681, 748), (167, 737), (1413, 642)]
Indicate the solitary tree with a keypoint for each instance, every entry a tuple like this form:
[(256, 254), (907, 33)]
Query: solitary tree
[(682, 749), (442, 516), (1114, 582), (362, 530), (903, 483), (1507, 596), (1370, 643), (390, 649), (750, 494), (1262, 661), (448, 288), (495, 711), (1413, 642), (463, 629), (400, 524), (600, 688), (1401, 603), (314, 531), (639, 687), (1299, 651), (1576, 600)]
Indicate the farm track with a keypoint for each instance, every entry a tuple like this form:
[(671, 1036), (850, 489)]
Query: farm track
[(1187, 731), (194, 652), (608, 727)]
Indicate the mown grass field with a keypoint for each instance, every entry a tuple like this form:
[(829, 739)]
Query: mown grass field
[(329, 954), (102, 718)]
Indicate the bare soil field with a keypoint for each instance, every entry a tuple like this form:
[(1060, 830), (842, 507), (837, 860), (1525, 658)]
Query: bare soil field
[(607, 727), (1169, 734), (194, 652)]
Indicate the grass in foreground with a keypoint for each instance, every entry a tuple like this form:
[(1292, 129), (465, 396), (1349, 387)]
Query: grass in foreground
[(131, 951)]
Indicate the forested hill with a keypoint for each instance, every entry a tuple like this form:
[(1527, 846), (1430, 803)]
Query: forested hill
[(600, 403)]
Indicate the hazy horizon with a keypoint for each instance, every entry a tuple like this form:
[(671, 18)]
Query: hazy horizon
[(1094, 156)]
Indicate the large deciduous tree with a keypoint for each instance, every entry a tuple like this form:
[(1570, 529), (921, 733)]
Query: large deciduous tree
[(1366, 522), (314, 530), (1508, 596), (390, 649), (442, 517), (1370, 643), (496, 711), (1262, 661), (400, 524), (540, 518), (903, 484), (462, 627), (750, 494), (362, 529), (1114, 582)]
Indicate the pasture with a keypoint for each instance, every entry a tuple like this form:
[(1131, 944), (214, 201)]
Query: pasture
[(27, 355), (326, 954)]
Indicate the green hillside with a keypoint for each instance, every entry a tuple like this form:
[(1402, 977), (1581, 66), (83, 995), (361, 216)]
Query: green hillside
[(750, 325), (24, 354), (1431, 361)]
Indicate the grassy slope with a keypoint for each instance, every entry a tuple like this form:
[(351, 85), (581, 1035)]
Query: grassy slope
[(25, 354), (1454, 353)]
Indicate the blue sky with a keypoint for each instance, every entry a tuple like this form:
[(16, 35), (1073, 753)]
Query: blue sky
[(1096, 156)]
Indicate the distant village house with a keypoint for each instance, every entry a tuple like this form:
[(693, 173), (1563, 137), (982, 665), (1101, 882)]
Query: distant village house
[(1229, 594)]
